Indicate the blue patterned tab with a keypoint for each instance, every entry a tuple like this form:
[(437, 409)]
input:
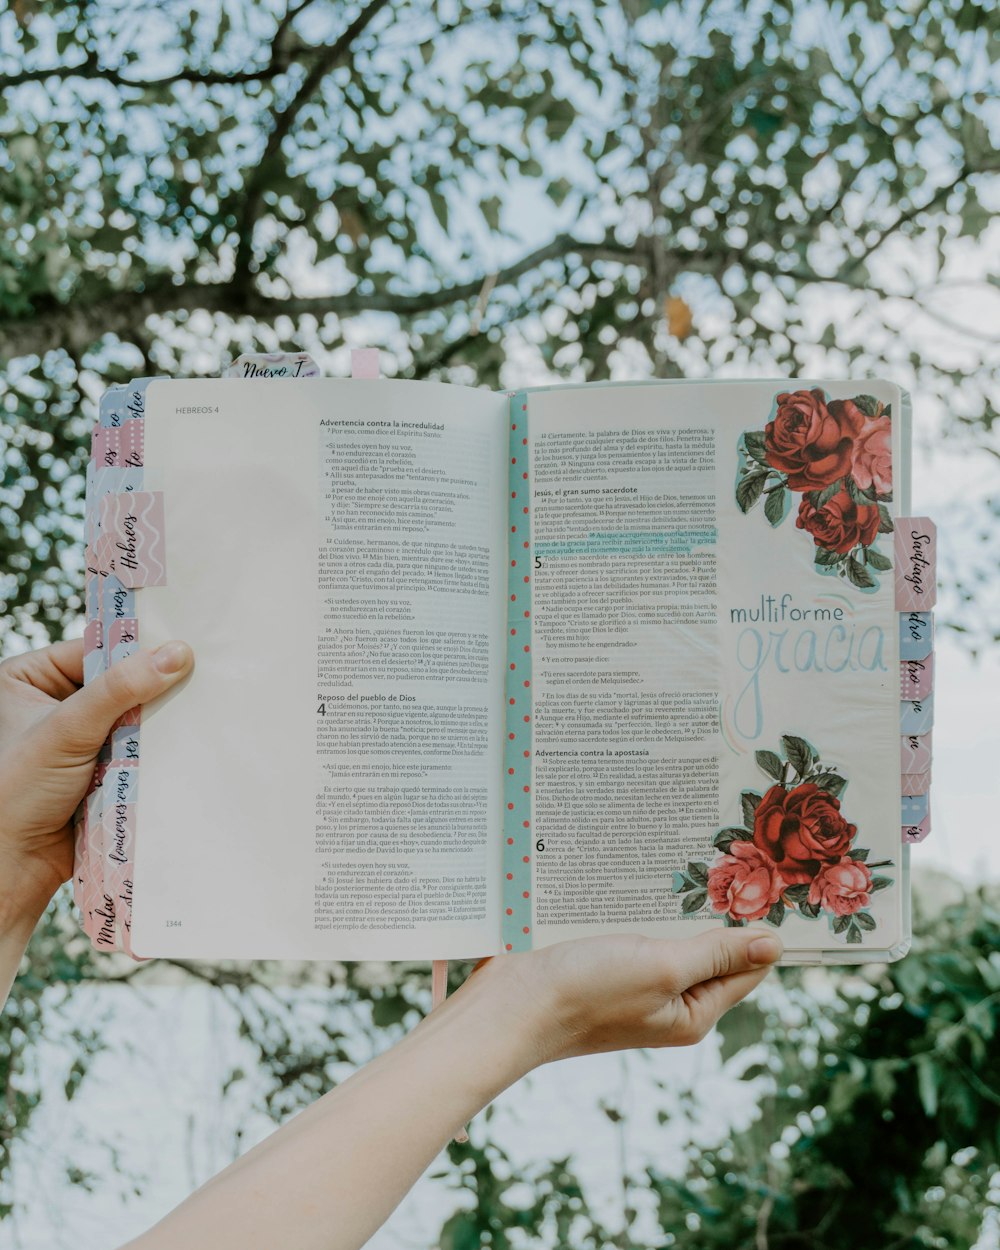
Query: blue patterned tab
[(916, 718), (916, 635)]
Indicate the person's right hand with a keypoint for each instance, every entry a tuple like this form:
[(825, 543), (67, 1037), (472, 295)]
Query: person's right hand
[(622, 991)]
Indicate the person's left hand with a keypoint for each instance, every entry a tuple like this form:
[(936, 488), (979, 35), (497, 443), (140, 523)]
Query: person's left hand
[(51, 730)]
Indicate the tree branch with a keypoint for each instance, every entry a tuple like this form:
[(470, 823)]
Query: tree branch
[(282, 123), (79, 324)]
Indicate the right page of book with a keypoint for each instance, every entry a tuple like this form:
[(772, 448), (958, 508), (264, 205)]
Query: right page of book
[(703, 670)]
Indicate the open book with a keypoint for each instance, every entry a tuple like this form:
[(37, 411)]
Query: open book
[(478, 672)]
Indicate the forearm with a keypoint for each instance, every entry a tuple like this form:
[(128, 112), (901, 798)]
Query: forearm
[(16, 928), (331, 1176)]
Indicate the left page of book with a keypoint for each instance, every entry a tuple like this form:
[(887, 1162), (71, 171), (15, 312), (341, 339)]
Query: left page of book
[(325, 785)]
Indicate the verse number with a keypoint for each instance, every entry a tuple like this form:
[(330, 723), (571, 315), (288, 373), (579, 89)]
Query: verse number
[(538, 562), (540, 845), (174, 924), (321, 710)]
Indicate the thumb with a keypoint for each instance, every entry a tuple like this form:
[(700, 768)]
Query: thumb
[(75, 731)]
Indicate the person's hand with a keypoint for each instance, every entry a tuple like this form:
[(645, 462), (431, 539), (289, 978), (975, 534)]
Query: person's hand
[(621, 991), (50, 733)]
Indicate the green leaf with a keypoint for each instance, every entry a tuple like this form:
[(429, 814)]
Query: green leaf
[(832, 783), (927, 1083), (726, 837), (682, 883), (753, 443), (440, 206), (732, 923), (876, 560), (861, 854), (853, 933), (770, 764), (880, 883), (867, 403), (799, 753), (826, 494), (777, 913), (841, 923), (827, 558), (748, 491), (749, 802), (865, 920), (739, 1028), (694, 902), (858, 574), (797, 893), (857, 494), (810, 910), (774, 506), (885, 525), (698, 872)]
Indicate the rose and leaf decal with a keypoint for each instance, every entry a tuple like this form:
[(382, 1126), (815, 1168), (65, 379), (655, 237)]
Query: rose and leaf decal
[(794, 852), (836, 454)]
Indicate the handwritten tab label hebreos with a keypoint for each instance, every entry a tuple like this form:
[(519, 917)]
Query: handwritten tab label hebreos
[(916, 564), (132, 524)]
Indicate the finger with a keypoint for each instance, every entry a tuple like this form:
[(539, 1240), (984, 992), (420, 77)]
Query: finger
[(722, 953), (711, 999), (77, 728), (56, 671)]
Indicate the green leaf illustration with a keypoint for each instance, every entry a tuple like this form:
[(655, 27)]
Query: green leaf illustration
[(698, 872), (859, 495), (749, 802), (841, 923), (867, 403), (796, 893), (827, 493), (753, 442), (694, 902), (777, 913), (774, 506), (860, 854), (858, 574), (726, 837), (832, 783), (828, 558), (799, 753), (732, 923), (864, 920), (876, 560), (885, 525), (749, 490), (682, 883), (769, 763), (810, 910), (880, 883), (853, 933)]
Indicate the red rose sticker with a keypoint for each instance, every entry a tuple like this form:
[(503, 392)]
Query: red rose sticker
[(745, 883), (841, 524), (872, 466), (810, 440), (842, 888), (801, 830)]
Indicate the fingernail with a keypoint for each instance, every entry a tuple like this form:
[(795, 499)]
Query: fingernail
[(764, 950), (172, 657)]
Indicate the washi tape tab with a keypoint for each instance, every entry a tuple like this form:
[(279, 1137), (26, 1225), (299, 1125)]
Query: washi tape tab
[(267, 365), (916, 635), (132, 526), (917, 833), (364, 362), (915, 753), (916, 678), (916, 717), (916, 807), (915, 541), (915, 783)]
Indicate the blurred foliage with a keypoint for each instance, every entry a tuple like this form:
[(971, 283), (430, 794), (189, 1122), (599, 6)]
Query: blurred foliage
[(878, 1116), (660, 189)]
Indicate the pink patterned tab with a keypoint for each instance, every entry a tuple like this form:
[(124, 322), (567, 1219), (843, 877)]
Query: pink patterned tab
[(364, 362), (917, 833), (916, 564), (915, 753), (916, 678), (916, 783), (123, 630), (118, 446), (93, 637), (133, 524)]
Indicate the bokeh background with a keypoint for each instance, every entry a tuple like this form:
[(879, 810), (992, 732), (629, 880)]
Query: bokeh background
[(500, 193)]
